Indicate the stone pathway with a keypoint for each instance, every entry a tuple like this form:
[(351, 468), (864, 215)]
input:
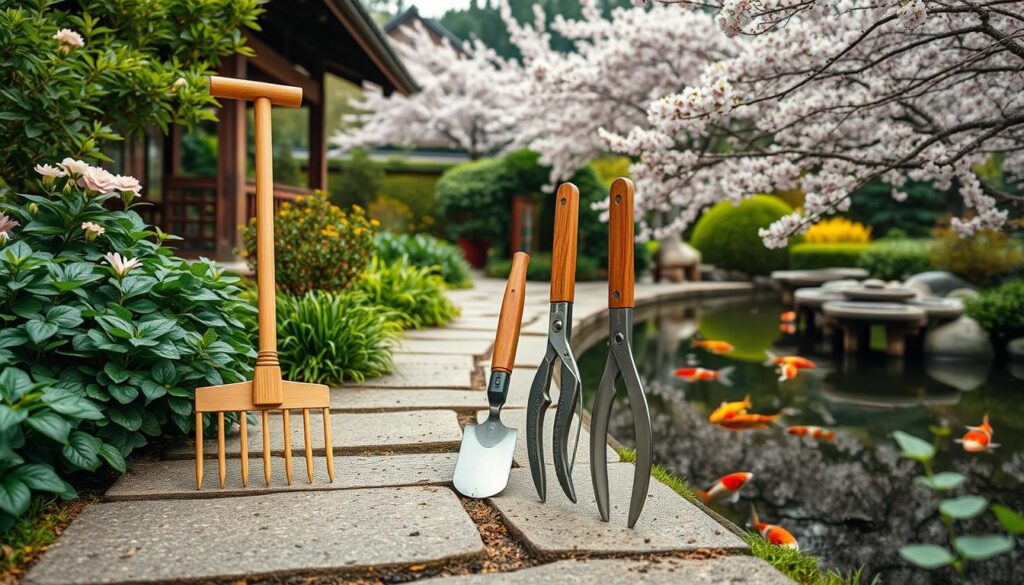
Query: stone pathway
[(391, 509)]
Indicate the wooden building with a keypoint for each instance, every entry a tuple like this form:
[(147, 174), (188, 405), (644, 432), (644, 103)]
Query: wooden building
[(301, 41)]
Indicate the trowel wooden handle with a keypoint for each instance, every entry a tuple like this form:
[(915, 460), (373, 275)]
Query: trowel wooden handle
[(620, 244), (563, 251), (511, 317), (243, 89)]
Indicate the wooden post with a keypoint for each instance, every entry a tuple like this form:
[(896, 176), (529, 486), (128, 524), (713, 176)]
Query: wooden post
[(231, 132), (316, 165)]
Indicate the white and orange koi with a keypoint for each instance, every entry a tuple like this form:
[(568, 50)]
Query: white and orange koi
[(703, 375), (773, 533), (788, 371), (801, 363), (811, 431), (979, 438), (728, 485)]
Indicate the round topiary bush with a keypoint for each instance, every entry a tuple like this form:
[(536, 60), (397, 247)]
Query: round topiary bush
[(727, 237)]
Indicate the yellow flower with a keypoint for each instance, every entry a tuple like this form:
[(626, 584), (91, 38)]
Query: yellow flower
[(374, 223)]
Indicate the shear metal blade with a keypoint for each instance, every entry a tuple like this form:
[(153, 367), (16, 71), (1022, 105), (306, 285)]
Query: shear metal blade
[(536, 407)]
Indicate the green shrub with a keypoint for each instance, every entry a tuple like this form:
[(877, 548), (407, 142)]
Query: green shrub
[(539, 268), (981, 258), (417, 192), (416, 294), (59, 100), (99, 352), (316, 244), (426, 252), (474, 200), (358, 181), (1000, 310), (897, 259), (808, 256), (329, 337), (726, 235)]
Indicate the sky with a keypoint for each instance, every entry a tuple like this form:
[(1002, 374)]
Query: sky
[(436, 8)]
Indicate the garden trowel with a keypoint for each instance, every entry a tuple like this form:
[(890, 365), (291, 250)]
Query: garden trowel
[(485, 458)]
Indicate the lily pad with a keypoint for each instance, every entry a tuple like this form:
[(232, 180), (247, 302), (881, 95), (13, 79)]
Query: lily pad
[(927, 556), (963, 507), (942, 481), (979, 548), (914, 448)]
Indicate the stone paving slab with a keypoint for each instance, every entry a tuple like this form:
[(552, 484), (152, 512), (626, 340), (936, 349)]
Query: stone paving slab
[(516, 418), (414, 430), (423, 371), (668, 523), (378, 399), (474, 347), (730, 570), (275, 534), (151, 480)]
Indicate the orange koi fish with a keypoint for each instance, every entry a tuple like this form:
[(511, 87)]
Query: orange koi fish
[(774, 534), (788, 317), (788, 371), (801, 363), (728, 485), (787, 328), (740, 422), (702, 375), (713, 345), (811, 431), (979, 438), (728, 410)]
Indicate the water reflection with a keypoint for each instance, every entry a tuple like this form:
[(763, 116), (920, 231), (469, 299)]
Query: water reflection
[(852, 501)]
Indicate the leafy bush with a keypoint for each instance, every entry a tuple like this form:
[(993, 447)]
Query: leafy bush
[(838, 230), (317, 245), (539, 268), (726, 235), (897, 259), (415, 294), (62, 99), (426, 252), (981, 258), (393, 215), (1000, 310), (100, 351), (358, 181), (329, 337), (916, 216), (808, 256), (417, 192), (475, 198)]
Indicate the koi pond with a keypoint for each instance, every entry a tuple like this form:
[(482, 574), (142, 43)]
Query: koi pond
[(850, 500)]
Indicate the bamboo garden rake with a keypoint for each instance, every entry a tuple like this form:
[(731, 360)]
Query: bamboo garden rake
[(267, 391)]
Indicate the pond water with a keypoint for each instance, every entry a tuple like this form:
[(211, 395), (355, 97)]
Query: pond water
[(852, 500)]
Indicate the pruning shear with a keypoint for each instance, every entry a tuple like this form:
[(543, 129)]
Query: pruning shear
[(620, 362), (558, 352)]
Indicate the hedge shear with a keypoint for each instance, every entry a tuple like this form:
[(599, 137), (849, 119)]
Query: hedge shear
[(558, 352), (620, 362)]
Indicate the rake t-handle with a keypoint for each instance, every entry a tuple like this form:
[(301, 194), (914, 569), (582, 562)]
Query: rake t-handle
[(266, 387)]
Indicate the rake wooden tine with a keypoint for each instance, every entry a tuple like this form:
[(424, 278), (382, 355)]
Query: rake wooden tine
[(221, 463), (243, 424), (266, 446), (199, 450), (307, 441), (286, 418), (328, 448)]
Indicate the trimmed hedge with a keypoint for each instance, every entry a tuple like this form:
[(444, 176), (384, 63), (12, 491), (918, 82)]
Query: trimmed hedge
[(897, 259), (726, 235), (474, 199), (811, 256), (1000, 310)]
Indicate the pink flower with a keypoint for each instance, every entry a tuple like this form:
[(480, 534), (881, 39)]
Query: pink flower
[(6, 225), (121, 265), (48, 171), (128, 184), (100, 180), (73, 167), (68, 39)]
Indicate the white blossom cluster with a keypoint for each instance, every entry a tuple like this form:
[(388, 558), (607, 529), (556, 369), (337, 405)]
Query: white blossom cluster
[(824, 96), (468, 99)]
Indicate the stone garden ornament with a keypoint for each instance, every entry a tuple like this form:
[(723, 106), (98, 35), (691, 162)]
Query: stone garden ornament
[(267, 391)]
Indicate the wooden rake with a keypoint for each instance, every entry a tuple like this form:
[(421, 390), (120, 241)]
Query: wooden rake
[(267, 391)]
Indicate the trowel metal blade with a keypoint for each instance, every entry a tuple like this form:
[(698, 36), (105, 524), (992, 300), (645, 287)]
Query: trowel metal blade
[(485, 459)]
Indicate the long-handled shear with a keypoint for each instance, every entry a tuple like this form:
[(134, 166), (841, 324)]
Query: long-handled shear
[(563, 287), (620, 362)]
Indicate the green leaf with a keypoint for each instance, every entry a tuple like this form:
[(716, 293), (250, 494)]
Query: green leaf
[(979, 548), (151, 390), (1011, 521), (50, 424), (64, 316), (82, 450), (39, 330), (942, 481), (116, 372), (14, 496), (913, 448), (123, 393), (963, 507), (14, 383), (940, 431), (927, 556), (180, 406), (26, 306), (128, 418), (77, 407), (39, 477), (164, 372), (113, 457), (10, 417)]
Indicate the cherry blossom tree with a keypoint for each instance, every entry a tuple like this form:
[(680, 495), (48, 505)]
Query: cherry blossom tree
[(468, 99), (828, 96)]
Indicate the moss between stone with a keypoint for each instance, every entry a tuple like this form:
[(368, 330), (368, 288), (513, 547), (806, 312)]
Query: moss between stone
[(798, 566), (37, 529)]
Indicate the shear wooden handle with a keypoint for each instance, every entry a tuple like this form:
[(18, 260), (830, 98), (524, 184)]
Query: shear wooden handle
[(620, 244), (563, 251), (507, 338), (243, 89)]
